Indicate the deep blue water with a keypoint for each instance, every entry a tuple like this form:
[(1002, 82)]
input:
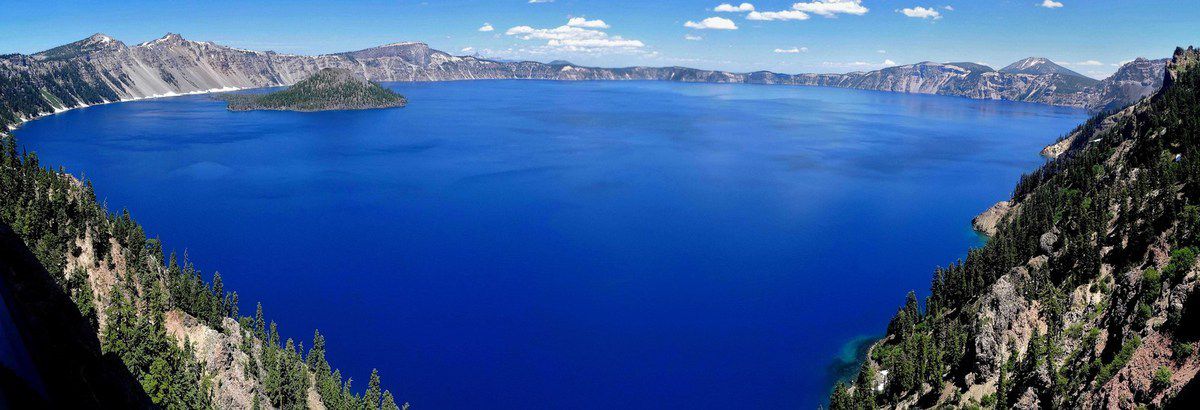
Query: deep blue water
[(516, 244)]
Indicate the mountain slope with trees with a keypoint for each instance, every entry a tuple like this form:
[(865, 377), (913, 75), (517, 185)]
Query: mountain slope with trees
[(183, 340), (1085, 296)]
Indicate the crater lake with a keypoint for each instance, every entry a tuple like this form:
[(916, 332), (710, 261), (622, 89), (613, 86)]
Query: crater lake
[(536, 244)]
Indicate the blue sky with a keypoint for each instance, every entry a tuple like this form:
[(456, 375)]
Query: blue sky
[(786, 36)]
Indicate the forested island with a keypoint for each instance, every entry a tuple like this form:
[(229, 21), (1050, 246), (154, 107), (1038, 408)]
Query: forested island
[(326, 90)]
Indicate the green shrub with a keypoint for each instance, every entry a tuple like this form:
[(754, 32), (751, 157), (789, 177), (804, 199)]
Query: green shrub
[(1180, 351), (1162, 378)]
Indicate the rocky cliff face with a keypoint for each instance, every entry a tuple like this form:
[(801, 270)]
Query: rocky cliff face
[(1134, 80), (100, 69)]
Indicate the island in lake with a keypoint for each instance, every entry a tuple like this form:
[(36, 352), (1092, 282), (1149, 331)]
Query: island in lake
[(326, 90)]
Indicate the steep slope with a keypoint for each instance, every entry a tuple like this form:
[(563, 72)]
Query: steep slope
[(328, 89), (95, 315), (1085, 295), (63, 364), (100, 70)]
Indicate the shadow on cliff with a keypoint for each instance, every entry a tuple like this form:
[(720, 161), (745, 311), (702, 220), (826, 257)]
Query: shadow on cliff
[(52, 358)]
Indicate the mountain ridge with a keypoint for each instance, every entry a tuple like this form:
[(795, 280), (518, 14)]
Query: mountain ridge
[(100, 69)]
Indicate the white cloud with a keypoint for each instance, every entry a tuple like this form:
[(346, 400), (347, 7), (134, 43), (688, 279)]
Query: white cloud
[(793, 50), (777, 15), (881, 51), (922, 13), (801, 11), (692, 37), (829, 8), (1051, 4), (729, 8), (713, 23), (540, 1), (1090, 62), (888, 63), (948, 8), (487, 27), (468, 49), (585, 23), (576, 39)]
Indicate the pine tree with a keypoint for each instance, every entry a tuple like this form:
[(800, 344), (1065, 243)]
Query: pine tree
[(218, 311), (371, 397), (389, 403), (841, 399), (259, 325)]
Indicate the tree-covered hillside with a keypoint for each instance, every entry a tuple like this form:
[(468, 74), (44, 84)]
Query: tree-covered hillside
[(1084, 297), (328, 89), (184, 339)]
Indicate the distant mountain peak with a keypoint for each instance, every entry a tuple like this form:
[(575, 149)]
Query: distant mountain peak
[(100, 38), (1038, 66), (404, 44), (411, 51), (169, 38), (973, 67), (1030, 63), (93, 43)]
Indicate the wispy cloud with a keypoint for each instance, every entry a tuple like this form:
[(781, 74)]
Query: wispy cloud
[(712, 23), (487, 27), (692, 37), (729, 8), (948, 8), (801, 11), (585, 23), (859, 65), (831, 8), (793, 50), (1051, 4), (540, 1), (1083, 63), (921, 13), (777, 15)]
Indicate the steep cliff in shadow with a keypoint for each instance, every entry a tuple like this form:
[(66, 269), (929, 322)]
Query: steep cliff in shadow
[(52, 357)]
